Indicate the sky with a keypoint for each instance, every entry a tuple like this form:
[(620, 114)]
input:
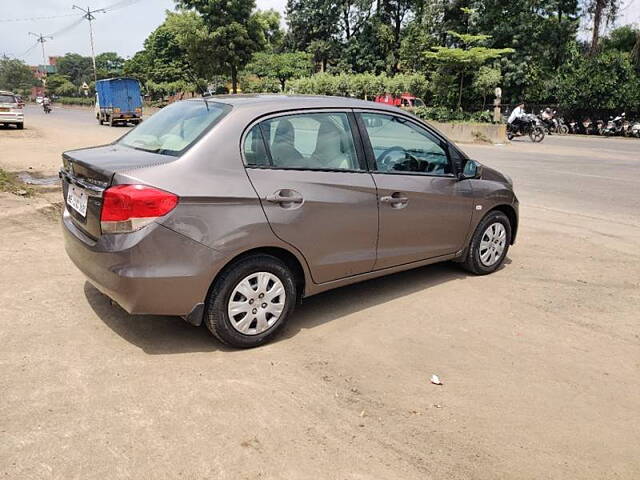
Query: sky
[(122, 30)]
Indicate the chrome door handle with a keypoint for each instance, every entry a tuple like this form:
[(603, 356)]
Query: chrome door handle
[(279, 198), (393, 200)]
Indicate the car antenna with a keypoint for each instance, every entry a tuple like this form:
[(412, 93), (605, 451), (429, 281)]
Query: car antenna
[(202, 92)]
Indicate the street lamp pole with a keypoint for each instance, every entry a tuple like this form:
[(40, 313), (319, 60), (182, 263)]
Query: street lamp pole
[(41, 39), (88, 14)]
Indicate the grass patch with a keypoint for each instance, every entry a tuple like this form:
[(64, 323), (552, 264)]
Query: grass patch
[(9, 182)]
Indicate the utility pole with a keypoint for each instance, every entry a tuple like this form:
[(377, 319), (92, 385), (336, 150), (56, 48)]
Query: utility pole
[(88, 14), (41, 39)]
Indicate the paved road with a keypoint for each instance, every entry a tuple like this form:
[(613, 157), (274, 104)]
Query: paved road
[(582, 175), (540, 361)]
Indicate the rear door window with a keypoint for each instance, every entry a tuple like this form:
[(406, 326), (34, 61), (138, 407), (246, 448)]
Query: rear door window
[(314, 141)]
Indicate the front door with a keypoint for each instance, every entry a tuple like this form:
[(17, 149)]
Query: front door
[(425, 211), (315, 190)]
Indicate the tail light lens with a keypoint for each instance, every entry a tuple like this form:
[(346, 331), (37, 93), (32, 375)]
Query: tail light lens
[(127, 208)]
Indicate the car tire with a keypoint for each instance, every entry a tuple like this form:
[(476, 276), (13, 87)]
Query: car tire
[(19, 126), (489, 244), (254, 323)]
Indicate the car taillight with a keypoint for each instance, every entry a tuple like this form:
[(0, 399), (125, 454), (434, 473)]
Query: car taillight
[(127, 208)]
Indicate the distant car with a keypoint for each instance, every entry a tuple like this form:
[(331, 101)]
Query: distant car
[(11, 110), (39, 100), (227, 210), (404, 100)]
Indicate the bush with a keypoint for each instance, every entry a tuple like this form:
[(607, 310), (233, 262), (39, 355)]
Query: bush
[(86, 101), (363, 85), (252, 84), (444, 114)]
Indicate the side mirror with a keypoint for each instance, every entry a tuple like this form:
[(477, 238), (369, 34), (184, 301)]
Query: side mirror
[(472, 169)]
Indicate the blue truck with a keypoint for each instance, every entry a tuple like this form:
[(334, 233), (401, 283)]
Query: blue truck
[(118, 100)]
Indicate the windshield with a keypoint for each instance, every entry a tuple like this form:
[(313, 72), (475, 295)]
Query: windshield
[(176, 127), (417, 102)]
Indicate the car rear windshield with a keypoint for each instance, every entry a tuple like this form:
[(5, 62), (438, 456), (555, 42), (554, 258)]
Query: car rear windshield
[(7, 98), (176, 127)]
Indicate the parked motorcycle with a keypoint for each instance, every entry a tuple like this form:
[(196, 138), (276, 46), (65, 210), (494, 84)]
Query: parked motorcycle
[(635, 130), (615, 126), (573, 127), (528, 124)]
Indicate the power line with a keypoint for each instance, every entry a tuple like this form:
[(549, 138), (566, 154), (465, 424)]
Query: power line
[(33, 19)]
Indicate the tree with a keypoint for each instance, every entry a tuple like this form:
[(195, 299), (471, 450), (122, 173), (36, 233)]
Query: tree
[(109, 64), (541, 32), (169, 61), (600, 10), (281, 66), (233, 32), (15, 75), (485, 81), (269, 21), (466, 57), (606, 80), (76, 67)]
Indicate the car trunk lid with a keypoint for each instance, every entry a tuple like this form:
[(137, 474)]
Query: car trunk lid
[(87, 173)]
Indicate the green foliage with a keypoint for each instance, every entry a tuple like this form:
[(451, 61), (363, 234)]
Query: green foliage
[(363, 85), (459, 60), (109, 65), (444, 114), (15, 76), (60, 85), (75, 101), (231, 34), (280, 66), (76, 68), (253, 84), (486, 80), (604, 81)]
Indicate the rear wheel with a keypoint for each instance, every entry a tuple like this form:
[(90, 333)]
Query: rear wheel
[(489, 245), (250, 301), (19, 126), (536, 134)]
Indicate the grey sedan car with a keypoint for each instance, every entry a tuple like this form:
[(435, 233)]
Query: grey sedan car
[(229, 210)]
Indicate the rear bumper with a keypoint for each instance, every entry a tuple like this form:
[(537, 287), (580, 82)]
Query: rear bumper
[(11, 117), (152, 271)]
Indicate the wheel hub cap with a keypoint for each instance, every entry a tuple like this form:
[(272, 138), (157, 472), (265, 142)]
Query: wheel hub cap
[(256, 303), (492, 244)]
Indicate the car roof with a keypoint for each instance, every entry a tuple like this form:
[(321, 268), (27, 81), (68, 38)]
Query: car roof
[(265, 103), (6, 92)]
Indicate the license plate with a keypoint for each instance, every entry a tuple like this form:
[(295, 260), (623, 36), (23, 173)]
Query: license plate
[(77, 199)]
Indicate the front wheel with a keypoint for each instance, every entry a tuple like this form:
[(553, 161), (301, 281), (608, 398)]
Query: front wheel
[(536, 134), (489, 244), (564, 130), (509, 135), (250, 301)]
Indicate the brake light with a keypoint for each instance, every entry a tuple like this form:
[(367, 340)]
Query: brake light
[(127, 208)]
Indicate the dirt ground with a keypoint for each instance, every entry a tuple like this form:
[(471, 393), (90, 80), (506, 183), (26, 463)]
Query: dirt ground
[(540, 361)]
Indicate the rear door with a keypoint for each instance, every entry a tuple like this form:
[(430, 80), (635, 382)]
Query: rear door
[(310, 174), (425, 211)]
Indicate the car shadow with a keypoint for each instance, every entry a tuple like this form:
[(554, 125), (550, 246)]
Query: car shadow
[(160, 335)]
